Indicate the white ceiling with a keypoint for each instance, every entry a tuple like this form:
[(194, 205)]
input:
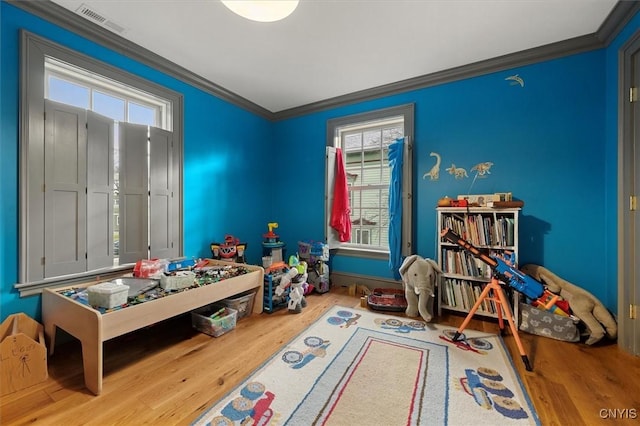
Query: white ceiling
[(330, 48)]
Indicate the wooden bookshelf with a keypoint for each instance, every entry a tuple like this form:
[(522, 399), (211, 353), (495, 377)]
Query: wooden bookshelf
[(492, 230)]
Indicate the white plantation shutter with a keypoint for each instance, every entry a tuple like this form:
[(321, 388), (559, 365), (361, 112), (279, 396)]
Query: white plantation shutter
[(100, 180), (331, 235), (65, 181), (134, 191), (161, 195)]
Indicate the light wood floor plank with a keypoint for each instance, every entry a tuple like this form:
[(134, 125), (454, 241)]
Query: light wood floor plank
[(168, 373)]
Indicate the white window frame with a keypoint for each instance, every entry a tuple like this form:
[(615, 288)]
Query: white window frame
[(79, 76), (359, 121), (34, 51)]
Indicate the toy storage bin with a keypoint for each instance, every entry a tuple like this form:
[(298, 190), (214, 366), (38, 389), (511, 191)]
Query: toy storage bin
[(243, 303), (547, 324), (201, 320), (181, 279), (108, 294)]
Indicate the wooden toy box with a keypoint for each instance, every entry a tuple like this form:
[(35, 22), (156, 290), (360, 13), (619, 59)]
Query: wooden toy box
[(23, 354)]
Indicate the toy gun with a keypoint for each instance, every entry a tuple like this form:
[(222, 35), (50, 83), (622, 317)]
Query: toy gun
[(507, 273)]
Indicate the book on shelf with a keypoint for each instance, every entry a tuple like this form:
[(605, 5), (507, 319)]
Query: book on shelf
[(459, 262), (462, 294)]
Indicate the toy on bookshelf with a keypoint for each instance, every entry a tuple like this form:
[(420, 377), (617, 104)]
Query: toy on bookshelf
[(499, 200)]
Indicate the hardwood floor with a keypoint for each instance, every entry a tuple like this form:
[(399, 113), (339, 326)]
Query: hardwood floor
[(168, 373)]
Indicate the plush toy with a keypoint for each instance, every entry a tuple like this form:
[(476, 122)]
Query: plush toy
[(419, 277), (583, 304), (296, 278)]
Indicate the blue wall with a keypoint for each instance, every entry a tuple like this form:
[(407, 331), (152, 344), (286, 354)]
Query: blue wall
[(224, 153), (553, 143), (546, 141)]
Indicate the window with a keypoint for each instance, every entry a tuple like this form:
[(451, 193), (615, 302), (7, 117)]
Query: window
[(361, 236), (75, 86), (364, 140), (100, 168)]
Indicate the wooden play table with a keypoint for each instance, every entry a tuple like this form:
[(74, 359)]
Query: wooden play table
[(92, 327)]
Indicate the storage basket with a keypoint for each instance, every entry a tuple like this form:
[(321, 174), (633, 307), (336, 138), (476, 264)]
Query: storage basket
[(548, 324), (201, 320), (243, 303)]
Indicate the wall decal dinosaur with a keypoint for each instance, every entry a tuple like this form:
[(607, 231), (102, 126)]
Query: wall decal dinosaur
[(434, 173), (457, 172), (482, 168)]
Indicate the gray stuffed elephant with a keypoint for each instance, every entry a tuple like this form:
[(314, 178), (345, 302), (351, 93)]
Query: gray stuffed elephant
[(419, 277)]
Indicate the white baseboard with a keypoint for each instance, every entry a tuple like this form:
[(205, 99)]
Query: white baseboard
[(345, 279)]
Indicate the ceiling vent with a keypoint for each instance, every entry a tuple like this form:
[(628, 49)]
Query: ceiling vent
[(99, 18)]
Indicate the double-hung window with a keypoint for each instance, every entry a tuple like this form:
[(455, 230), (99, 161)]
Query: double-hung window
[(364, 140), (100, 168)]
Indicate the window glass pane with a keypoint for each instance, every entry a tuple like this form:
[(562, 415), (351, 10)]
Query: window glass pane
[(108, 105), (140, 107), (365, 237), (140, 114), (68, 93), (353, 166), (371, 140), (390, 134), (352, 141)]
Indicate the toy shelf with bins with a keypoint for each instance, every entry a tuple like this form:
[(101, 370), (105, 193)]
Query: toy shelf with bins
[(464, 276), (272, 276)]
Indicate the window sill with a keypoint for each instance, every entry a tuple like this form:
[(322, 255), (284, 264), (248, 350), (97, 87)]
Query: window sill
[(33, 288), (362, 253)]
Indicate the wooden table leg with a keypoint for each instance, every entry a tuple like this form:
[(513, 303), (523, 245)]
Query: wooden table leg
[(82, 323), (50, 334), (92, 364)]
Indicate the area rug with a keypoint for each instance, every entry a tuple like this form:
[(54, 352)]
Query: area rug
[(357, 367)]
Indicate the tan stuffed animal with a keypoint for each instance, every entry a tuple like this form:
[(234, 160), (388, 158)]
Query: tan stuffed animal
[(584, 305)]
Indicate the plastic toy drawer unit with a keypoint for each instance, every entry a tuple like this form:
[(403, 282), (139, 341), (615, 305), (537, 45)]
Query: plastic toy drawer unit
[(214, 320), (108, 294)]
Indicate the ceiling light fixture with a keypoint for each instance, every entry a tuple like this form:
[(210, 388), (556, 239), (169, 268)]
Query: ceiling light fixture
[(262, 10)]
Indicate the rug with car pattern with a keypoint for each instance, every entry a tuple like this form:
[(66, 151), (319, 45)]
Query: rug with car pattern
[(357, 367)]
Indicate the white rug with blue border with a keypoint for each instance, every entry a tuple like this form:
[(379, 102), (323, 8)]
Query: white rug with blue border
[(356, 367)]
